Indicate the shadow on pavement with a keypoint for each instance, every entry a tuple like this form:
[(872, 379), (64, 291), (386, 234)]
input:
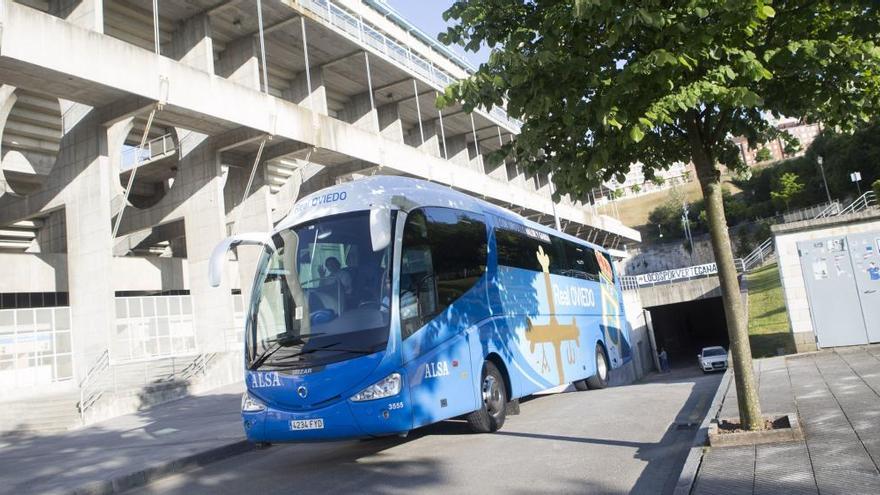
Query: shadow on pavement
[(32, 463)]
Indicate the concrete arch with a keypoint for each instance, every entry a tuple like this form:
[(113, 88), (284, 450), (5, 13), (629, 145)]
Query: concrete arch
[(31, 126), (157, 162)]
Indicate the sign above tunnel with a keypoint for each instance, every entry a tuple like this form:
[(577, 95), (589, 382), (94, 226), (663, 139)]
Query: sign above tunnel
[(677, 274)]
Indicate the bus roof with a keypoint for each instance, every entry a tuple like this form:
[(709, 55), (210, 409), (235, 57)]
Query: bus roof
[(385, 190)]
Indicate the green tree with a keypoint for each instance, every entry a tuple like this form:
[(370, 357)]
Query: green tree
[(763, 154), (602, 84), (876, 187), (636, 188), (787, 187), (792, 147)]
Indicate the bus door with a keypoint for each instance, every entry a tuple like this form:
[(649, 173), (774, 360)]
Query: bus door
[(443, 259)]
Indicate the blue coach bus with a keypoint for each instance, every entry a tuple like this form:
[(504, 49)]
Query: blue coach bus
[(386, 304)]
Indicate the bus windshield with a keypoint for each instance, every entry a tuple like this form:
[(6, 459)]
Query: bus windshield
[(323, 295)]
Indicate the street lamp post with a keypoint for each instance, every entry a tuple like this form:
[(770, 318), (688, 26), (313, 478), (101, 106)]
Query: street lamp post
[(819, 160), (686, 223)]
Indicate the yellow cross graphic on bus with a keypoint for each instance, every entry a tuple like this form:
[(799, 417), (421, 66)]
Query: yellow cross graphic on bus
[(553, 332)]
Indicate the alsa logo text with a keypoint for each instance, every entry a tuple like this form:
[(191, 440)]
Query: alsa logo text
[(262, 380), (433, 370)]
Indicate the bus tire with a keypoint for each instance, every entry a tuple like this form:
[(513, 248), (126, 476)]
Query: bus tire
[(581, 385), (600, 379), (490, 417)]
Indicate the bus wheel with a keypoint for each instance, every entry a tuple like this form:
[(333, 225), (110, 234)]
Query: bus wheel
[(600, 379), (581, 385), (491, 416)]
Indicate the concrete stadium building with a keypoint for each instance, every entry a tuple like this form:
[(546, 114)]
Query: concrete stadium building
[(129, 137)]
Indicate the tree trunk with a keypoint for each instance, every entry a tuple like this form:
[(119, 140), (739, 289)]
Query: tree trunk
[(737, 322)]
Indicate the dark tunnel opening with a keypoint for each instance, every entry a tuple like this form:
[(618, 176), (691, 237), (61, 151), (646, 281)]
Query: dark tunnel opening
[(683, 329)]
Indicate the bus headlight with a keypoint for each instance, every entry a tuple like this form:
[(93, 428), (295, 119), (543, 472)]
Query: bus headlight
[(249, 404), (386, 387)]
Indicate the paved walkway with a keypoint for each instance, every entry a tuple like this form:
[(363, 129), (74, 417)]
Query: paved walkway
[(113, 454), (836, 394)]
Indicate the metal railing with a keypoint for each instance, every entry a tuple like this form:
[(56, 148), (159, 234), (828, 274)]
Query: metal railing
[(756, 258), (372, 36), (90, 390), (155, 148), (861, 203), (106, 377), (629, 282), (198, 366)]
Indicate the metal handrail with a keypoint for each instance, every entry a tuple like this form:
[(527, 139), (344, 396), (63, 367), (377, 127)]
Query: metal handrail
[(92, 390), (364, 33), (88, 397), (156, 147), (758, 255), (861, 203)]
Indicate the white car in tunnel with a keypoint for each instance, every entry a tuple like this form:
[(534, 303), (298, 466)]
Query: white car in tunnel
[(712, 358)]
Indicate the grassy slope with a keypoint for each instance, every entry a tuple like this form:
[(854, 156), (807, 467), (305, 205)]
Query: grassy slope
[(768, 318), (634, 212)]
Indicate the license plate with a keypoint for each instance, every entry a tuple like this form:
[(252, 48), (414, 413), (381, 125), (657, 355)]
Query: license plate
[(307, 424)]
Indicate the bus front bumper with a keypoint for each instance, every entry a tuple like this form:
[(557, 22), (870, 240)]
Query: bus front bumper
[(341, 420)]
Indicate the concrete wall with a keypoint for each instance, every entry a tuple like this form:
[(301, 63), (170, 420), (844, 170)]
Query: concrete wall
[(678, 292), (786, 238), (657, 257), (640, 338)]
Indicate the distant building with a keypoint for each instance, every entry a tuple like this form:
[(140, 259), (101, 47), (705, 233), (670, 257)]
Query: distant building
[(635, 183), (805, 134)]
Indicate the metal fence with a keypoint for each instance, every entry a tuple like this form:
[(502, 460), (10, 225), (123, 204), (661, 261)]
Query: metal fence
[(154, 148), (373, 37)]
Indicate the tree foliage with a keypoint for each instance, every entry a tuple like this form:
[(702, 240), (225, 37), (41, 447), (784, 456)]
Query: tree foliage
[(605, 83), (787, 187), (763, 154)]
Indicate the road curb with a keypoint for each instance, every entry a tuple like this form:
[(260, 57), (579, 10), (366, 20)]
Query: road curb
[(152, 473), (692, 463)]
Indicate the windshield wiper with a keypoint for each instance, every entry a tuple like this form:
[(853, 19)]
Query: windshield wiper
[(328, 347), (279, 342)]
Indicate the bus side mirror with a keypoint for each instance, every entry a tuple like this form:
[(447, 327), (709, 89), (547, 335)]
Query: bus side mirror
[(380, 228), (218, 256)]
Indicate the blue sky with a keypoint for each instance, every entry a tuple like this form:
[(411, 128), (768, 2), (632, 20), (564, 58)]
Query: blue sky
[(427, 15)]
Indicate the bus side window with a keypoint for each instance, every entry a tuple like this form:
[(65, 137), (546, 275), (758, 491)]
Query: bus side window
[(444, 254), (517, 250)]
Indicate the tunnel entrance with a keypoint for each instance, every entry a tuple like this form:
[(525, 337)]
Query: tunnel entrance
[(683, 329)]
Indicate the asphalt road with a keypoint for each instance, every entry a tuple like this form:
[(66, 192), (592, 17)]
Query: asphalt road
[(630, 439)]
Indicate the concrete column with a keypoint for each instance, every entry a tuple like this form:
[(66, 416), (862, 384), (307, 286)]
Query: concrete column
[(255, 216), (390, 125), (240, 62), (359, 111), (83, 158), (205, 222), (191, 43), (52, 236), (431, 129), (298, 92), (84, 13), (457, 149)]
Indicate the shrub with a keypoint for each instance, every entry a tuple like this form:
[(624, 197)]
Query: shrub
[(763, 154)]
